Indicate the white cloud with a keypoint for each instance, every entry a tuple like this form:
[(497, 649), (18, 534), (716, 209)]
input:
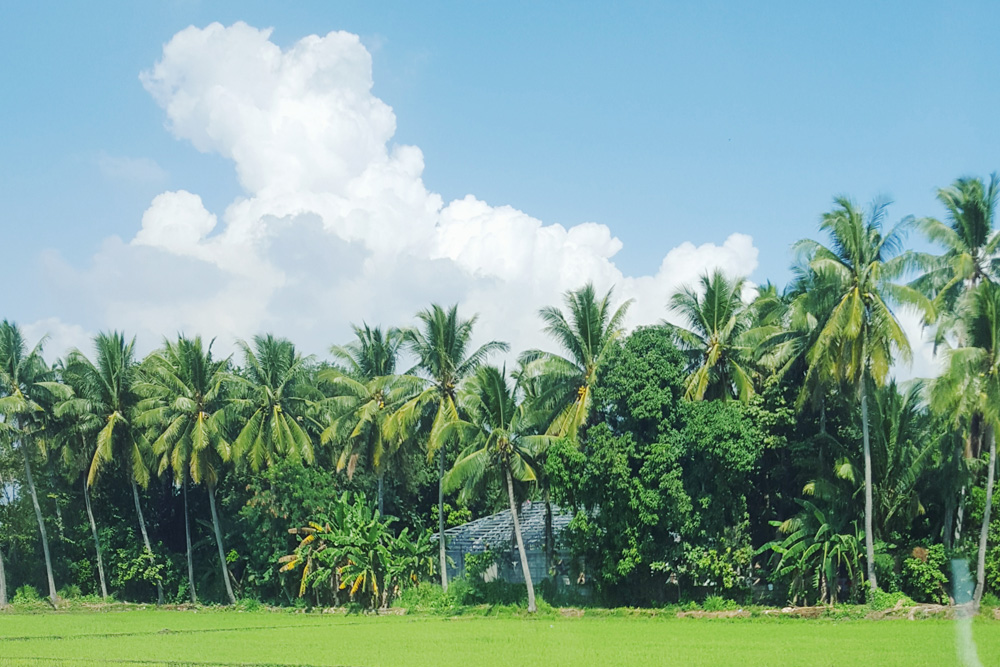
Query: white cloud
[(61, 337), (336, 224)]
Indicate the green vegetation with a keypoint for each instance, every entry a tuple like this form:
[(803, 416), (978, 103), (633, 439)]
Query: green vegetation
[(754, 451), (232, 638)]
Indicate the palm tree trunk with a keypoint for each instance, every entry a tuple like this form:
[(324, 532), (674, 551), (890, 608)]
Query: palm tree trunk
[(187, 538), (550, 542), (218, 543), (41, 527), (960, 515), (984, 533), (145, 535), (869, 533), (3, 583), (946, 529), (520, 542), (97, 541), (441, 551), (381, 493)]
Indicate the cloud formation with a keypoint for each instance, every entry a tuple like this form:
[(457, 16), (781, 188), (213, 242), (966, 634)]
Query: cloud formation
[(336, 224)]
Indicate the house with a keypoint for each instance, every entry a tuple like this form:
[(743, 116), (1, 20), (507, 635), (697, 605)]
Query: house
[(496, 533)]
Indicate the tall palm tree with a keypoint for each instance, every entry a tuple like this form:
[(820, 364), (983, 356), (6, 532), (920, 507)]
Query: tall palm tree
[(274, 376), (500, 443), (586, 332), (26, 390), (560, 388), (970, 384), (861, 335), (74, 438), (970, 245), (365, 395), (185, 410), (442, 346), (105, 391), (714, 340)]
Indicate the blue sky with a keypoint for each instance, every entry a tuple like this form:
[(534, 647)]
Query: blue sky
[(665, 122)]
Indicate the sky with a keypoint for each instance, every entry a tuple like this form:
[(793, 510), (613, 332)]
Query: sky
[(230, 168)]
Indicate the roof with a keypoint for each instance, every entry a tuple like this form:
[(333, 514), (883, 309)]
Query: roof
[(496, 531)]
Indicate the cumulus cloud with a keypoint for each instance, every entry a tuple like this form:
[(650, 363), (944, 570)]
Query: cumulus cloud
[(335, 224)]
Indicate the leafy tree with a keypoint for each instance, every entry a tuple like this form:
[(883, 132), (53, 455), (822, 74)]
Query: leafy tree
[(185, 411), (861, 334), (269, 399), (500, 442), (628, 466), (26, 389), (353, 548), (817, 547), (715, 341), (105, 391), (442, 347)]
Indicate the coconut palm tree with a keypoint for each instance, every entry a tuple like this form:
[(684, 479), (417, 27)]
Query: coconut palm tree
[(74, 438), (861, 336), (585, 333), (970, 245), (365, 395), (970, 384), (185, 410), (271, 400), (442, 345), (105, 391), (27, 392), (714, 340), (500, 443)]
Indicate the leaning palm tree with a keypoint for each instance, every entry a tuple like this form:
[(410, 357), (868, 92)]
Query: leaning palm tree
[(970, 245), (442, 346), (185, 410), (717, 320), (270, 400), (500, 443), (970, 384), (585, 332), (26, 390), (365, 395), (861, 336), (105, 391)]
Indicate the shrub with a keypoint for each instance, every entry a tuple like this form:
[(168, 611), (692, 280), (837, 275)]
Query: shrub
[(923, 576), (26, 595), (718, 603), (879, 600)]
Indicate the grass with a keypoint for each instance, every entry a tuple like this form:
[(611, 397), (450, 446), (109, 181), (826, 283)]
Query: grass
[(261, 638)]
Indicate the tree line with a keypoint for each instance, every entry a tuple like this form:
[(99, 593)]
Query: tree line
[(762, 440)]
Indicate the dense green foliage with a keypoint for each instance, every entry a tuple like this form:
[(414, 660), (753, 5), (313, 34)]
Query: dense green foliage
[(756, 448)]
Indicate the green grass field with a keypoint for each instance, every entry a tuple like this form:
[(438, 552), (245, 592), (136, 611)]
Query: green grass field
[(233, 638)]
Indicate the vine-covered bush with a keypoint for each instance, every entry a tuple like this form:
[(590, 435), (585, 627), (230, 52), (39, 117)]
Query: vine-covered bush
[(923, 574)]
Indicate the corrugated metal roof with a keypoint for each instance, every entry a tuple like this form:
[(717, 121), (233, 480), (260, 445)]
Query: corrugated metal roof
[(497, 531)]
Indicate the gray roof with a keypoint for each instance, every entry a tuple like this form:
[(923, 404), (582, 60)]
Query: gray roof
[(496, 531)]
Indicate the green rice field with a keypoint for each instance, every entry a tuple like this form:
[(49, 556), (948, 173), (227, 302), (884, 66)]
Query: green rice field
[(259, 638)]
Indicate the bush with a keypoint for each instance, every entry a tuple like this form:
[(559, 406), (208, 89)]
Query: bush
[(879, 600), (70, 592), (26, 595), (718, 603), (923, 575)]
